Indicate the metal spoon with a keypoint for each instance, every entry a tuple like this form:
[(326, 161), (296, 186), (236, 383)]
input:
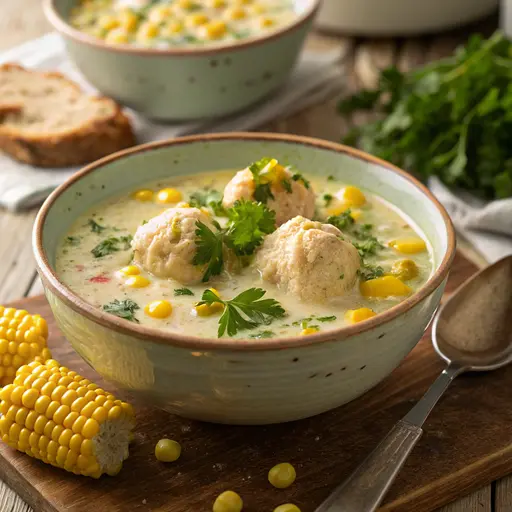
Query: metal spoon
[(472, 331)]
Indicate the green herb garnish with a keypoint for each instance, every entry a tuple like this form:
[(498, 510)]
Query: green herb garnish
[(343, 221), (246, 311), (298, 177), (326, 318), (451, 118), (111, 245), (261, 335), (182, 291), (72, 240), (327, 199), (210, 199), (123, 309), (368, 271), (209, 245), (95, 227)]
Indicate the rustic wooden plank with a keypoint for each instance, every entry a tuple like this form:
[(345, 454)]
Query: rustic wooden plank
[(17, 269), (371, 57), (479, 501), (503, 495)]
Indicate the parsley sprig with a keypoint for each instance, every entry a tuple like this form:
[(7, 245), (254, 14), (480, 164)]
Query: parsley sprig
[(246, 311), (209, 198), (112, 244), (123, 309)]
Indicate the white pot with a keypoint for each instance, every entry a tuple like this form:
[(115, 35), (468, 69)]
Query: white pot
[(399, 17)]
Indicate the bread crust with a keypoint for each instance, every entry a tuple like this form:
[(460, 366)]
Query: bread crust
[(77, 146)]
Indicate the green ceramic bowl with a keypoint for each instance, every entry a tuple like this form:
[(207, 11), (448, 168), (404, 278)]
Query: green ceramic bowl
[(241, 381), (186, 83)]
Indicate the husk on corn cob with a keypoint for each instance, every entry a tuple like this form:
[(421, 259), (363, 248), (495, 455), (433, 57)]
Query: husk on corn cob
[(23, 338), (57, 416)]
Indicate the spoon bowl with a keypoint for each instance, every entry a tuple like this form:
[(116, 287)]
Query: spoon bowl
[(473, 329)]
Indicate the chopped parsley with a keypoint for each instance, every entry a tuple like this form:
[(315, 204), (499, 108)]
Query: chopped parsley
[(342, 276), (287, 186), (209, 198), (326, 318), (72, 240), (95, 227), (343, 221), (261, 335), (298, 177), (182, 291), (331, 178), (262, 192), (246, 311), (368, 247), (368, 271), (327, 199), (111, 245), (123, 309)]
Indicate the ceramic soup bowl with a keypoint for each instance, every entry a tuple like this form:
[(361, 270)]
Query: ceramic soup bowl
[(186, 83), (241, 381)]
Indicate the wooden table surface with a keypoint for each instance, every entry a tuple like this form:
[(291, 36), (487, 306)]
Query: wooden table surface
[(23, 20)]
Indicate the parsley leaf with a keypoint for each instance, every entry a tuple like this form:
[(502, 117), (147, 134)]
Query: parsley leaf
[(368, 271), (95, 227), (342, 221), (326, 318), (246, 311), (262, 334), (209, 252), (209, 198), (451, 118), (72, 240), (182, 291), (123, 309), (327, 199), (249, 222), (298, 177), (262, 192), (112, 244)]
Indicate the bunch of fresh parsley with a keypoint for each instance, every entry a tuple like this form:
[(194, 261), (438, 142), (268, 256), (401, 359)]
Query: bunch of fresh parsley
[(248, 223), (246, 311), (451, 119)]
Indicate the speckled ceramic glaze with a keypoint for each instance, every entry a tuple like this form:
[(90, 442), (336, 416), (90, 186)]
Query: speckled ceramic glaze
[(237, 381), (186, 83)]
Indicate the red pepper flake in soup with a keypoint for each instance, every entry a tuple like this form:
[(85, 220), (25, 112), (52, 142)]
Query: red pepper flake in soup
[(99, 279)]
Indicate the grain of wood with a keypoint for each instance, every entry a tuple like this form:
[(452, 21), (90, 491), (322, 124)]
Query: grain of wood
[(479, 501), (503, 495)]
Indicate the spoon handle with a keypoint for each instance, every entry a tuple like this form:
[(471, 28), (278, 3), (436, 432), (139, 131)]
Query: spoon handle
[(364, 489)]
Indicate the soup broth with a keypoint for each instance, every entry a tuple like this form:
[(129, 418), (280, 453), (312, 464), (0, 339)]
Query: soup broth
[(169, 23), (93, 254)]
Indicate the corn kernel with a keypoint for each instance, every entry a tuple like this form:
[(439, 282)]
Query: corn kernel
[(351, 196), (185, 4), (217, 4), (171, 28), (169, 195), (147, 30), (159, 13), (386, 286), (409, 245), (130, 270), (117, 36), (196, 20), (228, 501), (405, 269), (108, 22), (358, 315), (287, 507), (356, 214), (70, 419), (158, 309), (143, 195), (214, 30), (167, 450), (267, 22), (256, 9), (137, 282), (236, 13), (209, 310), (309, 330), (128, 20), (90, 429), (282, 475)]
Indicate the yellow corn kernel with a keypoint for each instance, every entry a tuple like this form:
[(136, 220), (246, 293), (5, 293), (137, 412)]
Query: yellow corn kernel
[(209, 310), (356, 214), (287, 507), (169, 195), (128, 20), (137, 282), (158, 309), (143, 195), (108, 22), (282, 475), (159, 13), (309, 330), (117, 36), (405, 269), (171, 28), (386, 286), (217, 4), (411, 245), (183, 205), (214, 29), (196, 19), (130, 270), (185, 4), (351, 196), (147, 30), (256, 9), (48, 431), (167, 450), (337, 209), (236, 13), (358, 315), (228, 501), (266, 22)]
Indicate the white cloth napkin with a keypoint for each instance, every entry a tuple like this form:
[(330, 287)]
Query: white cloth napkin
[(23, 186), (487, 226)]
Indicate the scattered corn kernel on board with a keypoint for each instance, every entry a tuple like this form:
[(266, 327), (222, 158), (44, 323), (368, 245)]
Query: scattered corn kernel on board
[(467, 443)]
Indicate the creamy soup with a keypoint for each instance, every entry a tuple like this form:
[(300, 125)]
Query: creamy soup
[(167, 23), (357, 258)]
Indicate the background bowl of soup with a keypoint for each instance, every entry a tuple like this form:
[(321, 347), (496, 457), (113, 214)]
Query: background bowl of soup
[(239, 380), (207, 72)]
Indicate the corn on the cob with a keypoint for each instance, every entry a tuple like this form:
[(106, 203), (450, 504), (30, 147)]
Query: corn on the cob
[(57, 416), (23, 339)]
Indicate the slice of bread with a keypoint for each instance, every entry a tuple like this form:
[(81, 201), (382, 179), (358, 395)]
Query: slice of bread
[(46, 120)]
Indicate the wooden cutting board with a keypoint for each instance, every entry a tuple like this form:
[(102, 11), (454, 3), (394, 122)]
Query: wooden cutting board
[(467, 444)]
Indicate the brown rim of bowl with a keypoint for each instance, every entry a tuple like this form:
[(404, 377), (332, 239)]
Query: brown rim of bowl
[(62, 26), (51, 280)]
